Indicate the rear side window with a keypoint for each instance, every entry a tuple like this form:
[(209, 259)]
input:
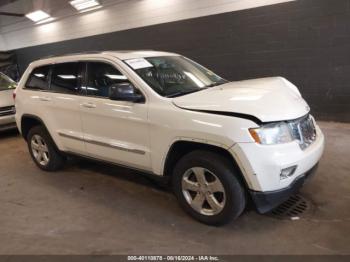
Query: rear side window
[(38, 79), (66, 78), (101, 77)]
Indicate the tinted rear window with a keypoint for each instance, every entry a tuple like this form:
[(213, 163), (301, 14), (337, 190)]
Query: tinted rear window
[(66, 78), (38, 79)]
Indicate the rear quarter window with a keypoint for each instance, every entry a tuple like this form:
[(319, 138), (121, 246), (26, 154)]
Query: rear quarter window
[(38, 78)]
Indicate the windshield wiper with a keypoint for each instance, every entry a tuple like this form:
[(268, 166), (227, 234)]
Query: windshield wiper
[(216, 84), (184, 93), (193, 91)]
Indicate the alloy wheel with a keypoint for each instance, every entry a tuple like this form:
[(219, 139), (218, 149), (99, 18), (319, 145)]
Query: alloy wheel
[(40, 150), (203, 191)]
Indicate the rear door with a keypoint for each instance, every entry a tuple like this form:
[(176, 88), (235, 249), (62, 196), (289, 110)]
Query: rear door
[(52, 93), (64, 110)]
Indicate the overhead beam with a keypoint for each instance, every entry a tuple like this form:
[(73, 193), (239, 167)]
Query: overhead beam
[(11, 14)]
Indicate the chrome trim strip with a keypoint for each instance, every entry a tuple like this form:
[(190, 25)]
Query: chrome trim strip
[(99, 143), (7, 110), (7, 113), (8, 126), (71, 136)]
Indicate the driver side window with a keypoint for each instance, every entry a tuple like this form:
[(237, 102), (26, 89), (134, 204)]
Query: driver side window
[(101, 77)]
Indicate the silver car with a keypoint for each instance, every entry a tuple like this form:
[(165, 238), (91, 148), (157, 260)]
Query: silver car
[(7, 105)]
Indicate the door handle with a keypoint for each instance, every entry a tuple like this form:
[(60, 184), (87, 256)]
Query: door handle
[(44, 98), (89, 105)]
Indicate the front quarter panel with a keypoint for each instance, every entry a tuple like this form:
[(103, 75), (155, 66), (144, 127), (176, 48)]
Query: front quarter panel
[(169, 124)]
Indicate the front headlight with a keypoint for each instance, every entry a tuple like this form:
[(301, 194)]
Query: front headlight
[(270, 134)]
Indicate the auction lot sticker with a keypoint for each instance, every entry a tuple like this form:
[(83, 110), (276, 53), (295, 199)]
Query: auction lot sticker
[(138, 63)]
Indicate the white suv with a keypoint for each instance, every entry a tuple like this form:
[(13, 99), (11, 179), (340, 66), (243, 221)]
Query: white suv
[(220, 144), (7, 105)]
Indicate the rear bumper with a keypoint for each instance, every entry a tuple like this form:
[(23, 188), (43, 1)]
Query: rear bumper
[(266, 201)]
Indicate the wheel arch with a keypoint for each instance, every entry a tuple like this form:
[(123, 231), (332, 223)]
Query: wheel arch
[(182, 147), (29, 121)]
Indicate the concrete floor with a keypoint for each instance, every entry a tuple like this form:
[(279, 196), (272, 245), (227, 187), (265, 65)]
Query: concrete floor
[(89, 208)]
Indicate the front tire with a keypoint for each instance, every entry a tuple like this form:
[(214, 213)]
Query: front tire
[(207, 187), (43, 150)]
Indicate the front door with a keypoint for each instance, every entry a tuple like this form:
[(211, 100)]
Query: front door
[(115, 131)]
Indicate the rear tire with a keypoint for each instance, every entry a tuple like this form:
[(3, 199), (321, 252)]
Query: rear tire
[(43, 150), (207, 187)]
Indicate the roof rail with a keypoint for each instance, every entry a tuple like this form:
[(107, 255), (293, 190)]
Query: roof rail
[(78, 53), (94, 52)]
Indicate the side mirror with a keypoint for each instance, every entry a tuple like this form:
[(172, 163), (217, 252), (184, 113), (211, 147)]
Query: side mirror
[(125, 92)]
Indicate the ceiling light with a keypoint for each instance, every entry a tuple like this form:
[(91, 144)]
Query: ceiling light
[(84, 4), (120, 77), (46, 20), (67, 76), (90, 9), (39, 75), (37, 16)]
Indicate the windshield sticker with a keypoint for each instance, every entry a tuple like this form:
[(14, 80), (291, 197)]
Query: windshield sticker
[(138, 63)]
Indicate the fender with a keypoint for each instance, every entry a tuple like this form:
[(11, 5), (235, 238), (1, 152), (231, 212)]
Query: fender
[(188, 139), (193, 144), (36, 118)]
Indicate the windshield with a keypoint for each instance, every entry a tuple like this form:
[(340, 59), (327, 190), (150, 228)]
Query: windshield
[(172, 76), (6, 83)]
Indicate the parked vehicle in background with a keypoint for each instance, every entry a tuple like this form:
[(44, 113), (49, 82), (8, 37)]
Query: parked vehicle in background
[(220, 143), (7, 104)]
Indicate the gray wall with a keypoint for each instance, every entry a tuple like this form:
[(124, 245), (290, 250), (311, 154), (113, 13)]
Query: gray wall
[(115, 15), (8, 65), (307, 41)]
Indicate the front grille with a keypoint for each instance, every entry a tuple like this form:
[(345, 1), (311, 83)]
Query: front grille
[(303, 130), (7, 110)]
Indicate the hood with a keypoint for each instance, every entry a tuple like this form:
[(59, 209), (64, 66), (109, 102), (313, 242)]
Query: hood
[(6, 98), (267, 99)]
